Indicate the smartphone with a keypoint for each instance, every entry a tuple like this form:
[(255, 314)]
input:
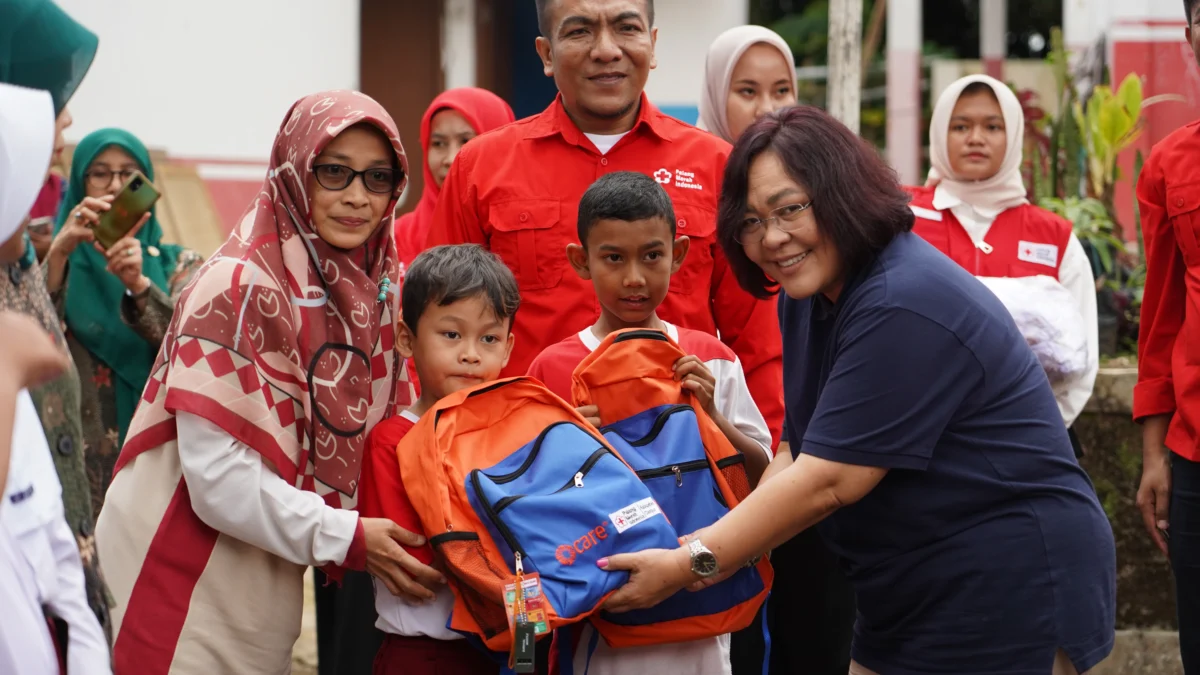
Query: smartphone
[(130, 204)]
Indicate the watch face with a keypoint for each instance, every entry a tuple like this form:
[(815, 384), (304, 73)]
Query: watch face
[(704, 564)]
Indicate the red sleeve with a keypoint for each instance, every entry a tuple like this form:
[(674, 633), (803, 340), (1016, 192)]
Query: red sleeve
[(456, 220), (751, 329), (1163, 299), (382, 493), (555, 366)]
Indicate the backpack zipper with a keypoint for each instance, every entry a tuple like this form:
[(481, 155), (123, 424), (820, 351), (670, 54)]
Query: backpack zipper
[(494, 516), (577, 480), (533, 452), (657, 427), (676, 469)]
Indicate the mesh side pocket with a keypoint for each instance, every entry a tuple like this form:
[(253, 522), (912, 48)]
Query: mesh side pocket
[(479, 582), (733, 468)]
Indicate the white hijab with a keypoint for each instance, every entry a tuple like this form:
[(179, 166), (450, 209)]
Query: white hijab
[(723, 56), (26, 145), (993, 195)]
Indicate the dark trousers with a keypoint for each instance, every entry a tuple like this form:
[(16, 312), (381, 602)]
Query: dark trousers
[(347, 639), (810, 615), (1184, 546)]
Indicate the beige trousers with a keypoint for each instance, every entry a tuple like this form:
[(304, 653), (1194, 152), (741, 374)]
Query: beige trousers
[(1062, 666)]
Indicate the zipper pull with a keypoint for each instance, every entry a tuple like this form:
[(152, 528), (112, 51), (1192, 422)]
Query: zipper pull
[(520, 567), (678, 476), (579, 479), (985, 247)]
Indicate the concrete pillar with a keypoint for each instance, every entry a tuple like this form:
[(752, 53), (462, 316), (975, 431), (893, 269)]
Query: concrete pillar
[(993, 31), (903, 60), (458, 43), (844, 91)]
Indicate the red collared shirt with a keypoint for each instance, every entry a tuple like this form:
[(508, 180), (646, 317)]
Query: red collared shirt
[(1169, 338), (516, 190)]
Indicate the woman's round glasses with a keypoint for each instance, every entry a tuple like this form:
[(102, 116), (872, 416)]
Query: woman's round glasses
[(102, 178), (339, 177), (786, 218)]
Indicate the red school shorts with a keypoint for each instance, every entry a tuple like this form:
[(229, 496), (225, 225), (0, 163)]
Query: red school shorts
[(403, 655)]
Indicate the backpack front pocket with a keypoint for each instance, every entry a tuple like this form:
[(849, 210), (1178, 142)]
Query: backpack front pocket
[(562, 502)]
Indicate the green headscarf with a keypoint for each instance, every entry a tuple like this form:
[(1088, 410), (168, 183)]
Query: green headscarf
[(43, 48), (94, 295)]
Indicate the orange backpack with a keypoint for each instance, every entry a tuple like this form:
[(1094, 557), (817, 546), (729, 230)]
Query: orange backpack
[(691, 469), (511, 479)]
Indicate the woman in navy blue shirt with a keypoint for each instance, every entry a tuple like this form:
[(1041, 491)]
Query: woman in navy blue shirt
[(925, 437)]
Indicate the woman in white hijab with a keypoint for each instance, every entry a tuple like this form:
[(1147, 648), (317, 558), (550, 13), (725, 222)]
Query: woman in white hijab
[(749, 72), (974, 209), (39, 561)]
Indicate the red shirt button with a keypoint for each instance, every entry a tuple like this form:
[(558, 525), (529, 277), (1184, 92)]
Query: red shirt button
[(524, 217)]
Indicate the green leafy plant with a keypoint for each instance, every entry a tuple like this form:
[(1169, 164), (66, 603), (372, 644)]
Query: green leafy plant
[(1093, 225)]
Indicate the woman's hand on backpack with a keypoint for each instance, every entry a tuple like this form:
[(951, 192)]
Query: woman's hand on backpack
[(406, 577), (698, 379), (654, 575)]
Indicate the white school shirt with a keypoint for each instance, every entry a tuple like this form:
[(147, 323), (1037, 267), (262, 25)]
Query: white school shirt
[(427, 619), (41, 562)]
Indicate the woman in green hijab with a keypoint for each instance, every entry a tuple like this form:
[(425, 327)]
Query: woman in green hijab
[(117, 303)]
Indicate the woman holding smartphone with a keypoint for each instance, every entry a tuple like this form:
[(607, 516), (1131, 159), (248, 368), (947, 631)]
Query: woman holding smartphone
[(117, 302)]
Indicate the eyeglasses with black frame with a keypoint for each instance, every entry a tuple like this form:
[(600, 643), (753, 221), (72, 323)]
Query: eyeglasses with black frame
[(786, 218), (101, 178), (381, 180)]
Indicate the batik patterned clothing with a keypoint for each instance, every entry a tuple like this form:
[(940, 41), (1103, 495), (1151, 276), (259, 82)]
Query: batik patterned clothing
[(22, 289)]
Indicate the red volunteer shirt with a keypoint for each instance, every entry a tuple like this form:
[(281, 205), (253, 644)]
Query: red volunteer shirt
[(381, 492), (1025, 240), (516, 190), (1169, 338)]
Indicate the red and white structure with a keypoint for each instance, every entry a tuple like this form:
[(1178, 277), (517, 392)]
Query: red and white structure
[(1147, 38)]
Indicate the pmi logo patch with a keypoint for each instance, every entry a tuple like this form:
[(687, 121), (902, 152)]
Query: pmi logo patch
[(566, 554)]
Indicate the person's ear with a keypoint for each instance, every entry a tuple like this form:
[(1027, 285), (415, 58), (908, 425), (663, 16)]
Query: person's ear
[(405, 340), (512, 339), (578, 257), (679, 251), (653, 42), (543, 47)]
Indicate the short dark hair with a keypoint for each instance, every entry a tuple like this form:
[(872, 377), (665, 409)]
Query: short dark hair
[(543, 14), (446, 274), (1189, 8), (857, 201), (623, 195)]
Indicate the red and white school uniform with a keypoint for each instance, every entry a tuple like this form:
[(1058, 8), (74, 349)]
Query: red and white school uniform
[(416, 640), (731, 397)]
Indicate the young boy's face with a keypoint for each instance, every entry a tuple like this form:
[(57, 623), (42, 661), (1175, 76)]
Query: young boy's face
[(456, 346), (630, 264)]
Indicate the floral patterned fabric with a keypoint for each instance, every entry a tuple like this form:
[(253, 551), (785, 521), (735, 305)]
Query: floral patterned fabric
[(23, 289), (98, 397)]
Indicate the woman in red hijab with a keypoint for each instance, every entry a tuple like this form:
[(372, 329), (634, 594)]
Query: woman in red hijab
[(455, 117)]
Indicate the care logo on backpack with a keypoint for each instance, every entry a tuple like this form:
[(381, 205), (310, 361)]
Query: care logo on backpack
[(634, 513), (566, 553)]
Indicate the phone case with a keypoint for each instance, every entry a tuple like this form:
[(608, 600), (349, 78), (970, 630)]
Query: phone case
[(131, 203)]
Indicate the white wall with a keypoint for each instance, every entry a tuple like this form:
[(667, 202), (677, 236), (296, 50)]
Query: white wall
[(210, 79), (685, 30)]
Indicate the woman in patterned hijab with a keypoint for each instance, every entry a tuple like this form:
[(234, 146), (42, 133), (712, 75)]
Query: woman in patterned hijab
[(241, 464)]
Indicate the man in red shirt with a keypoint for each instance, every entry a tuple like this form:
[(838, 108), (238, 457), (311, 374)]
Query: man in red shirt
[(516, 190), (1166, 399)]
